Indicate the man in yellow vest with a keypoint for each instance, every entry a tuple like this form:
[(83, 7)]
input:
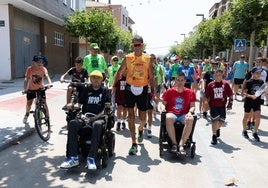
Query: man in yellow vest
[(138, 68)]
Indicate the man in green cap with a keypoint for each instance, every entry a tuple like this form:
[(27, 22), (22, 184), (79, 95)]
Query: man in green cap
[(95, 61)]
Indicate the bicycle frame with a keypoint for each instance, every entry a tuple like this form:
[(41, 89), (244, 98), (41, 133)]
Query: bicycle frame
[(41, 120)]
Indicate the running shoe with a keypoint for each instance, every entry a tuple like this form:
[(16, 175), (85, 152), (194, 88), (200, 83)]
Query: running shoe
[(123, 127), (256, 137), (214, 140), (149, 133), (118, 126), (133, 150), (25, 119), (205, 115), (70, 162), (245, 134), (91, 163), (174, 148)]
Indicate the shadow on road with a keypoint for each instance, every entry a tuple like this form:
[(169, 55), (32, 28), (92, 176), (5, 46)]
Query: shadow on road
[(144, 161)]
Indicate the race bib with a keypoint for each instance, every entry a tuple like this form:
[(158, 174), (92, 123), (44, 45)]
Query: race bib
[(136, 90)]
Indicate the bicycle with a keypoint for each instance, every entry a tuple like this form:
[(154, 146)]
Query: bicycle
[(41, 120)]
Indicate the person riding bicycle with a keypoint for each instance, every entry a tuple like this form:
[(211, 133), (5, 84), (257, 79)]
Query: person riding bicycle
[(78, 73), (33, 81), (92, 99)]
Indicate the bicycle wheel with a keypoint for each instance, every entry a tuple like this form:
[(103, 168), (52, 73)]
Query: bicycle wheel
[(42, 124)]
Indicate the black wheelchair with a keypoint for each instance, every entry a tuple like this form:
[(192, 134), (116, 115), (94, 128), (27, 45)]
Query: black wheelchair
[(107, 139), (165, 143)]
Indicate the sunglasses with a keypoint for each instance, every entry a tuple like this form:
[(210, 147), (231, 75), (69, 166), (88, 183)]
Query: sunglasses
[(115, 60), (136, 45)]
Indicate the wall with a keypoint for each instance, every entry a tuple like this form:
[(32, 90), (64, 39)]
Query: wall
[(5, 61)]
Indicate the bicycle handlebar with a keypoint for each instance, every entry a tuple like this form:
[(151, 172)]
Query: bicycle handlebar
[(40, 89), (75, 83)]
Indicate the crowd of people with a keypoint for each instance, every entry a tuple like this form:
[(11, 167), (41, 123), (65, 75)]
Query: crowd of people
[(139, 82)]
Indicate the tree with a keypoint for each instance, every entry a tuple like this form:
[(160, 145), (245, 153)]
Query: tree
[(95, 26), (242, 20), (248, 20)]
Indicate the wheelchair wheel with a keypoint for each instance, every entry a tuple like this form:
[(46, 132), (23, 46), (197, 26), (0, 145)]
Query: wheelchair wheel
[(193, 151), (111, 143), (103, 154), (105, 157)]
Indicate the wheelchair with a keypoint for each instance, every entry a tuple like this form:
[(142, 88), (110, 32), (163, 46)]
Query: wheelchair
[(107, 138), (165, 143)]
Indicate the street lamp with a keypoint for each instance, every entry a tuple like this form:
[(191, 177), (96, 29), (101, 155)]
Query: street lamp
[(203, 18)]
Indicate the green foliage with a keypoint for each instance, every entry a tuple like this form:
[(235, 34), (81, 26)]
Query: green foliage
[(97, 26), (243, 17)]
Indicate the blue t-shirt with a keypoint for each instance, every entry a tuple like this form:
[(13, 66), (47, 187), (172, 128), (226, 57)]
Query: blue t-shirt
[(168, 73), (230, 74), (188, 71), (240, 69)]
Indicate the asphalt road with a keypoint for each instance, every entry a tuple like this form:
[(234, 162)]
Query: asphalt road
[(34, 163)]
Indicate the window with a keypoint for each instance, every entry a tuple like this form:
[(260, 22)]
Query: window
[(58, 39), (73, 5), (64, 2), (123, 19)]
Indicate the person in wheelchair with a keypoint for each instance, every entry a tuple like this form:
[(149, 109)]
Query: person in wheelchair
[(180, 106), (92, 99)]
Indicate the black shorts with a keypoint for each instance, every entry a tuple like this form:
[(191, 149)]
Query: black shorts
[(249, 104), (31, 94), (218, 113), (238, 81), (141, 100)]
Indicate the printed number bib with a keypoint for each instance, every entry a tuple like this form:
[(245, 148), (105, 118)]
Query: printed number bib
[(136, 90)]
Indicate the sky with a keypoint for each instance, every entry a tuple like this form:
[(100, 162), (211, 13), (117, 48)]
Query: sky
[(161, 22)]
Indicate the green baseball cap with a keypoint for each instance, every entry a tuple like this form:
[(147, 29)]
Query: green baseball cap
[(94, 46)]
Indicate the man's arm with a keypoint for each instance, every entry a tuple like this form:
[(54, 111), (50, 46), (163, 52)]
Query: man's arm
[(192, 108), (25, 83), (120, 71)]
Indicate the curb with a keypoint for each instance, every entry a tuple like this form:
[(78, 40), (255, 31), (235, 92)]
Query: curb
[(13, 139)]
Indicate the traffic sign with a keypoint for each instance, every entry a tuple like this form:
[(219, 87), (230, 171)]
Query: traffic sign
[(240, 44)]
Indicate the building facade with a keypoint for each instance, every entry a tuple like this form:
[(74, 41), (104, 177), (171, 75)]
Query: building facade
[(30, 26)]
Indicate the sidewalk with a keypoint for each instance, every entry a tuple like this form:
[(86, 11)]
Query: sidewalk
[(12, 110)]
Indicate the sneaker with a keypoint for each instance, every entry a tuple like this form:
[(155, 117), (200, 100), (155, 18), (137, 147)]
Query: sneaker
[(174, 148), (256, 137), (140, 136), (214, 140), (218, 133), (149, 133), (245, 134), (91, 164), (70, 162), (123, 127), (118, 126), (25, 119), (205, 115), (133, 150)]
